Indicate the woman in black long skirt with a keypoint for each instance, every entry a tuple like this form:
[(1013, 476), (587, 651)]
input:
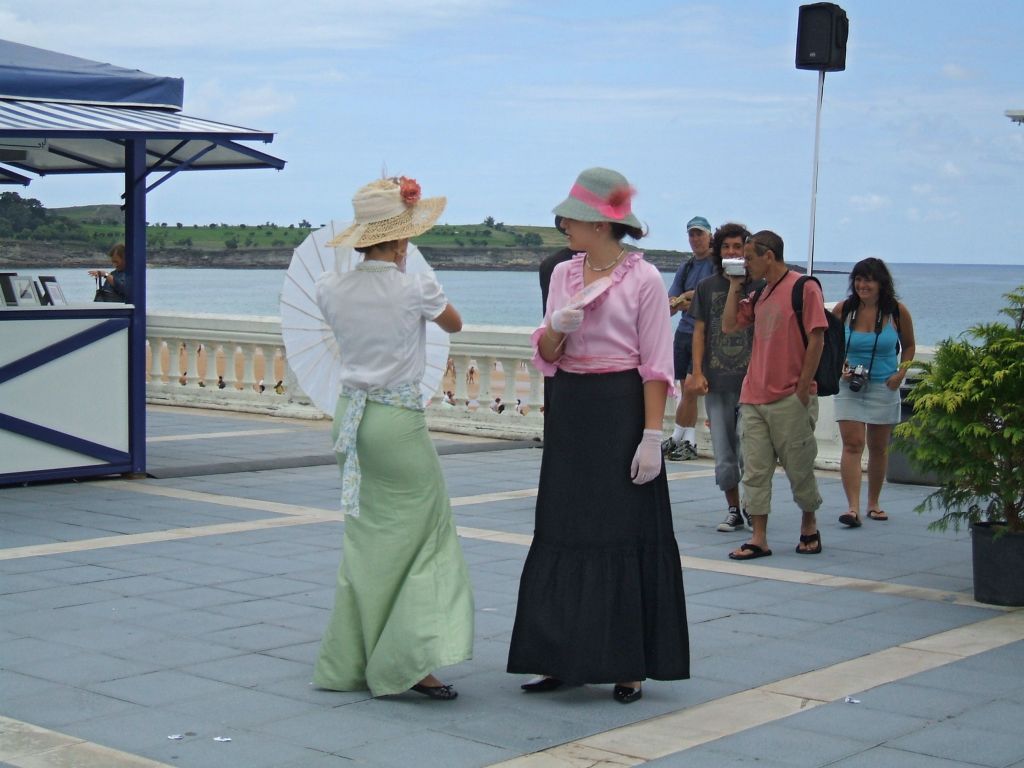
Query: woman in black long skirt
[(601, 596)]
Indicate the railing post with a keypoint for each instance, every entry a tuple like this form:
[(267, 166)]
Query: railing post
[(485, 367), (536, 388)]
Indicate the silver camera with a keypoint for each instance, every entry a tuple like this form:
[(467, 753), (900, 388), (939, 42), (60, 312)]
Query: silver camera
[(734, 267)]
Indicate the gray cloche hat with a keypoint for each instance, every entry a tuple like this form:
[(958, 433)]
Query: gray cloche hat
[(600, 194)]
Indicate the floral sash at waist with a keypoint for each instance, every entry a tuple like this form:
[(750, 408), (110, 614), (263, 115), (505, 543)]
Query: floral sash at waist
[(598, 363), (404, 396)]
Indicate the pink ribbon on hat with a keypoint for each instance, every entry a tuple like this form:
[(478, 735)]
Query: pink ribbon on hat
[(616, 206)]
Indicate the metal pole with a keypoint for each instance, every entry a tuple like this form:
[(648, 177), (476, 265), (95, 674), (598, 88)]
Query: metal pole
[(814, 175), (135, 244)]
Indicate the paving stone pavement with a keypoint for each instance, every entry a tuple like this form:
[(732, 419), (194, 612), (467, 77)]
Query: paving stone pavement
[(191, 604)]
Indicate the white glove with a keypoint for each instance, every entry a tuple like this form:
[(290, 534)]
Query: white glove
[(647, 460), (566, 320)]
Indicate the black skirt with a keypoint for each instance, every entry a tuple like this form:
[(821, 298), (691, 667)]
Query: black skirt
[(601, 596)]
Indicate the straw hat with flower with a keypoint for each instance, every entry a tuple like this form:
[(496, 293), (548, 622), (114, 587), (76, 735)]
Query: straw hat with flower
[(389, 209)]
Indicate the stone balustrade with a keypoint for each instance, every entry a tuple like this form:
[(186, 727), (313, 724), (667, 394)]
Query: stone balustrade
[(238, 363)]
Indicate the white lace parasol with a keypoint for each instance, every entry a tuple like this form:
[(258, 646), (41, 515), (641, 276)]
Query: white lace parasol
[(309, 343)]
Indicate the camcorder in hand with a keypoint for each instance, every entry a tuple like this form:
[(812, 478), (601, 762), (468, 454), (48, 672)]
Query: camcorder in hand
[(734, 267)]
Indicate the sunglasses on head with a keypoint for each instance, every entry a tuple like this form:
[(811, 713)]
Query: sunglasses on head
[(751, 240)]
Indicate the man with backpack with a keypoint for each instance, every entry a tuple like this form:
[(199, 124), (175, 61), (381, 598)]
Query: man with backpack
[(778, 400)]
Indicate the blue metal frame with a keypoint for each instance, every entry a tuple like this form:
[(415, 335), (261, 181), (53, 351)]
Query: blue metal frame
[(183, 165), (94, 167), (43, 434), (65, 473), (260, 160), (125, 135), (60, 348), (7, 176), (135, 246)]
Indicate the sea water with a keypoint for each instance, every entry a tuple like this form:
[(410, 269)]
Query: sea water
[(943, 299)]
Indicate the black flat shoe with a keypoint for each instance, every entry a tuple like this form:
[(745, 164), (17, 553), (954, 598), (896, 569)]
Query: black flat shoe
[(439, 692), (626, 695), (543, 685)]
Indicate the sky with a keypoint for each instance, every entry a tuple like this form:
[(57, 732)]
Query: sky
[(499, 105)]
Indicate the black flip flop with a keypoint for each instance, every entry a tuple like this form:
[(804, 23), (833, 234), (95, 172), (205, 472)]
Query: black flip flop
[(810, 539), (850, 520), (750, 552), (878, 514)]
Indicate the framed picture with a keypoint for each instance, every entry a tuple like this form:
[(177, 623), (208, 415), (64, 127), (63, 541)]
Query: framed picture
[(24, 291), (6, 289), (51, 291)]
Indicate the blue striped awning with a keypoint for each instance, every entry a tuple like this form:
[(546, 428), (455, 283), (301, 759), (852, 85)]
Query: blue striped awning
[(83, 138)]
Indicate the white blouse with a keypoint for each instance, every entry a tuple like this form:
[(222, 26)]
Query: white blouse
[(379, 317)]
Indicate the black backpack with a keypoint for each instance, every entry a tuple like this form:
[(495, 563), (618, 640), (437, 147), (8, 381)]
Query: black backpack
[(833, 352)]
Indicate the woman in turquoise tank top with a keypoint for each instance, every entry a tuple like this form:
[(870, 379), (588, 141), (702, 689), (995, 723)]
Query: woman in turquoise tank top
[(879, 349)]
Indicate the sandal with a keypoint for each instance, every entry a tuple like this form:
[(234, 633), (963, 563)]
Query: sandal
[(851, 519), (877, 514), (750, 552), (436, 692), (813, 538)]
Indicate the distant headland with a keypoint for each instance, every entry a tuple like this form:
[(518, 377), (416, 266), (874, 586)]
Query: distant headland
[(80, 236)]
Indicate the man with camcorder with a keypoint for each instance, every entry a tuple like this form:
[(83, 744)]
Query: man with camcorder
[(778, 401), (719, 364)]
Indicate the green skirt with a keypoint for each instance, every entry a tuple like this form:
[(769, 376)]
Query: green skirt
[(403, 606)]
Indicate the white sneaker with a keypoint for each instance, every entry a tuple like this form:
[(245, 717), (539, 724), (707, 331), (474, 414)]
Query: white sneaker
[(733, 521)]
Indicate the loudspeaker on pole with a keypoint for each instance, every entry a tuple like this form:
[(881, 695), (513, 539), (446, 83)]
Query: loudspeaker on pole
[(821, 35)]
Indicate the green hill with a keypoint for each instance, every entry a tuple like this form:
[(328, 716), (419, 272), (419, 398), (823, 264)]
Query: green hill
[(90, 214), (99, 224), (76, 235)]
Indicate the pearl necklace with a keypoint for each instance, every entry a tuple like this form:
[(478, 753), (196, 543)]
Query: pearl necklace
[(622, 252)]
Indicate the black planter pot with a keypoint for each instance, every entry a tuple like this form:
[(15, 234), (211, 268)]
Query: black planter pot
[(998, 564), (900, 469)]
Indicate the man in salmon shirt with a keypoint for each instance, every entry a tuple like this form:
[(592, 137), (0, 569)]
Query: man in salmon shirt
[(778, 401)]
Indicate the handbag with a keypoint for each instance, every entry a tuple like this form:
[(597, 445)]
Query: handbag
[(104, 292)]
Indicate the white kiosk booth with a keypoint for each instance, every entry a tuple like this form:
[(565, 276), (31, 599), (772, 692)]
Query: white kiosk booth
[(73, 378), (64, 390)]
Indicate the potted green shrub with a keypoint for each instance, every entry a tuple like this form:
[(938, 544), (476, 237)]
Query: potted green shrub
[(967, 428)]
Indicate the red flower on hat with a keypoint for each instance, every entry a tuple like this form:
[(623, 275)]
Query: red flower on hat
[(617, 204), (409, 190)]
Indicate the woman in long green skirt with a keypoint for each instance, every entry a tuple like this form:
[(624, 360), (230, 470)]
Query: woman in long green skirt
[(403, 606)]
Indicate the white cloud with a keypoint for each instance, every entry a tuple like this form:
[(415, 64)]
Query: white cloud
[(956, 72), (245, 106), (228, 26), (950, 170), (930, 215), (14, 28), (698, 102), (869, 202)]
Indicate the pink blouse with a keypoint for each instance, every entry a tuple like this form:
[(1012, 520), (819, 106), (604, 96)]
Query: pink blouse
[(628, 326)]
